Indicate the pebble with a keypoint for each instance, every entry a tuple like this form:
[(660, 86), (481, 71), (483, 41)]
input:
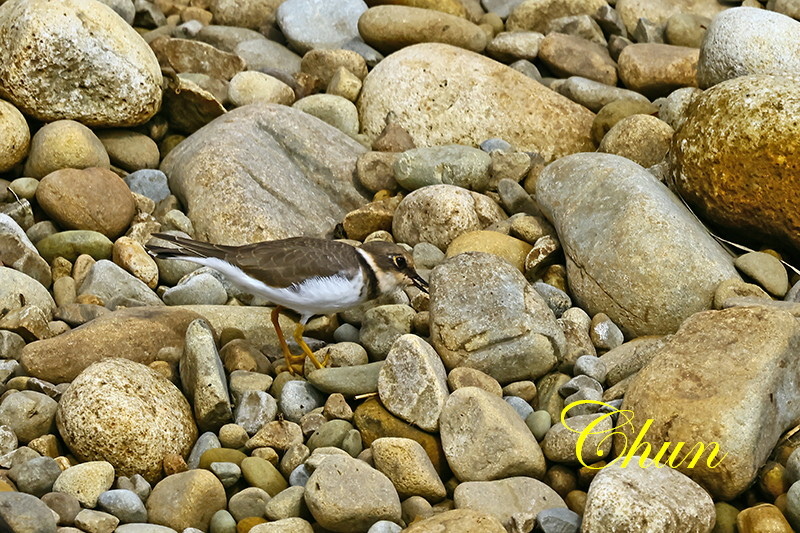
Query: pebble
[(99, 417), (250, 502), (522, 407), (286, 525), (251, 86), (604, 333), (535, 16), (129, 150), (132, 256), (15, 286), (539, 423), (560, 444), (36, 476), (15, 134), (310, 24), (592, 367), (686, 29), (469, 428), (557, 300), (513, 501), (643, 139), (451, 164), (655, 69), (764, 517), (298, 398), (196, 289), (509, 248), (19, 253), (92, 199), (389, 28), (254, 409), (96, 521), (148, 182), (335, 110), (346, 494), (115, 287), (187, 499), (203, 377), (382, 326), (123, 504), (64, 144), (28, 414), (558, 520), (766, 270), (86, 481), (511, 46), (406, 464), (567, 55), (65, 506)]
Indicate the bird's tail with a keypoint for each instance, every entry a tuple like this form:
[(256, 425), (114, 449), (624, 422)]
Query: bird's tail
[(185, 249)]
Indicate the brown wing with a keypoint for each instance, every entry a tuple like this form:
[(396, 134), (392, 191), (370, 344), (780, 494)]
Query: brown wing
[(277, 263)]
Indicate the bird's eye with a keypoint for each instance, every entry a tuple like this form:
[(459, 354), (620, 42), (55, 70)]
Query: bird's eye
[(400, 261)]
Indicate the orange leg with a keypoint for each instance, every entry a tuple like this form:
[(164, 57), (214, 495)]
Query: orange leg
[(294, 363), (298, 337)]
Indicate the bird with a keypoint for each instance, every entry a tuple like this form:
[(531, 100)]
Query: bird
[(308, 275)]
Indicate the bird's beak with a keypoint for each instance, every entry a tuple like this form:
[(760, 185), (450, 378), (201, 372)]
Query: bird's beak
[(418, 282)]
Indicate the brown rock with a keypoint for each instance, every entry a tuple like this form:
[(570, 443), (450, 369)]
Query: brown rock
[(93, 199), (535, 15), (64, 144), (733, 159), (184, 500), (137, 334), (568, 56), (183, 55), (390, 28), (324, 63), (763, 518), (509, 248), (659, 12), (458, 521), (449, 103), (643, 139), (658, 69), (129, 150), (189, 108), (372, 217), (374, 422), (454, 7)]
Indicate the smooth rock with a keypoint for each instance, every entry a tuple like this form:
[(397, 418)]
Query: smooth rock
[(127, 414), (252, 14), (335, 110), (505, 329), (655, 69), (298, 398), (261, 53), (584, 195), (506, 247), (439, 213), (766, 270), (310, 24), (188, 499), (511, 46), (461, 520), (28, 414), (109, 78), (456, 110), (567, 55), (512, 500), (148, 182), (658, 13), (35, 476), (19, 253), (646, 499), (409, 468), (184, 55), (72, 244), (15, 134), (594, 94), (723, 399), (389, 28), (476, 424), (64, 144), (747, 41), (92, 199), (203, 378), (132, 256), (250, 86), (116, 287), (16, 288), (264, 174), (452, 164), (347, 495), (564, 442), (535, 15), (347, 380), (718, 170), (23, 513), (124, 504), (254, 409), (686, 29), (412, 383), (129, 150), (643, 139)]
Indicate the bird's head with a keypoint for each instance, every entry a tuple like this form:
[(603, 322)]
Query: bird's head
[(393, 266)]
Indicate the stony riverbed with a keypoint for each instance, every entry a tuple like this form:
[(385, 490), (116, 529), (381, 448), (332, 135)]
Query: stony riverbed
[(556, 168)]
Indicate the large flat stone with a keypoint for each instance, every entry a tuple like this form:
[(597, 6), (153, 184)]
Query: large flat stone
[(264, 172), (633, 250)]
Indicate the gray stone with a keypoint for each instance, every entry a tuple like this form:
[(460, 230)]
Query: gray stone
[(539, 423), (111, 78), (592, 367), (143, 528), (116, 287), (515, 199), (66, 506), (382, 326), (335, 110), (512, 500), (36, 476), (310, 24), (203, 378), (18, 289), (476, 424), (28, 414), (19, 253), (502, 8), (23, 513), (8, 440), (349, 381), (426, 255), (299, 476), (265, 154), (254, 409), (595, 95), (634, 498), (251, 501), (451, 164), (412, 383), (268, 56), (557, 300), (329, 434), (384, 526), (744, 41), (201, 289), (148, 182), (793, 504), (505, 329), (298, 398), (766, 270), (345, 494), (595, 198), (205, 442), (561, 442), (223, 522), (124, 504), (11, 345), (558, 520)]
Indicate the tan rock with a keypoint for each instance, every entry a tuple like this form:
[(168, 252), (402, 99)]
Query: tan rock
[(458, 521), (390, 28), (15, 135), (64, 144), (491, 242), (732, 158), (472, 105), (127, 414), (406, 464), (109, 77), (718, 380), (132, 256), (183, 55), (323, 63), (188, 499), (374, 216), (567, 55), (138, 334), (535, 15), (658, 12), (454, 7), (252, 86), (643, 139), (658, 69), (130, 150), (92, 199)]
